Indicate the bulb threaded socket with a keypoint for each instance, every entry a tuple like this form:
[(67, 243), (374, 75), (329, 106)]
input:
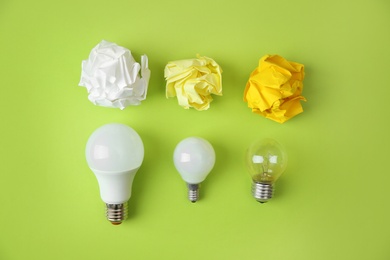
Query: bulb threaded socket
[(193, 192), (116, 213), (262, 192)]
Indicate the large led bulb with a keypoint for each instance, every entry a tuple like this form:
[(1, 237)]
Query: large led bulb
[(114, 153), (266, 160), (194, 158)]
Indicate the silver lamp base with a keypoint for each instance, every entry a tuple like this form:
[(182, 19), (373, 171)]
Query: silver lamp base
[(116, 213), (262, 192), (193, 192)]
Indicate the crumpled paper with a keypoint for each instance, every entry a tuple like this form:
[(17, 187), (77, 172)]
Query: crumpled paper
[(274, 88), (113, 78), (193, 81)]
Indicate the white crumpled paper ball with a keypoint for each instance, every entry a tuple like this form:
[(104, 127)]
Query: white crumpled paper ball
[(113, 78)]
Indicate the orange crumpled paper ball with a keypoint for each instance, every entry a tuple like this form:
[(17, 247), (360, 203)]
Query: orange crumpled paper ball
[(274, 88)]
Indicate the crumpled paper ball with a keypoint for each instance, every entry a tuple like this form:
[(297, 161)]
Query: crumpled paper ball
[(113, 78), (274, 88), (193, 81)]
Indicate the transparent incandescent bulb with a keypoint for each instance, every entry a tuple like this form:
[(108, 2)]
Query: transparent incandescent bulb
[(266, 160), (115, 152), (194, 158)]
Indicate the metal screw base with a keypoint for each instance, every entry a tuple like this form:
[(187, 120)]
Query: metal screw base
[(116, 213), (262, 192), (193, 192)]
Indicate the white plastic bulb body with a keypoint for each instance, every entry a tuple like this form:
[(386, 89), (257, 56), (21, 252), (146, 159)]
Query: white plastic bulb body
[(194, 158), (115, 152), (266, 160)]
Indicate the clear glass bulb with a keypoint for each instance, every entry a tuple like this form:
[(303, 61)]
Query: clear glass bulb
[(115, 152), (194, 158), (266, 160)]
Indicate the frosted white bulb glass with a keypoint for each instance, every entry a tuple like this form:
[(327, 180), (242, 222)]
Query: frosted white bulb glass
[(194, 158), (266, 160), (115, 152)]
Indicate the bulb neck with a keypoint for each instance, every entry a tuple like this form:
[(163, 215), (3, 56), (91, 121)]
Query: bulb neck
[(193, 192), (261, 191), (116, 213)]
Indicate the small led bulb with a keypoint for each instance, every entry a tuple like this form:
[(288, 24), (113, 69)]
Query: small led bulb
[(194, 158)]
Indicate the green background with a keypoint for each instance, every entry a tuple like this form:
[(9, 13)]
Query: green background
[(331, 203)]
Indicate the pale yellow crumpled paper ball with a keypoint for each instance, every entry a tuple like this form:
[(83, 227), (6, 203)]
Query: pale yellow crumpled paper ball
[(193, 81), (274, 88)]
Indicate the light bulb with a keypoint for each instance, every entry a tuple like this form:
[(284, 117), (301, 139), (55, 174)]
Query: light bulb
[(266, 160), (194, 158), (114, 153)]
